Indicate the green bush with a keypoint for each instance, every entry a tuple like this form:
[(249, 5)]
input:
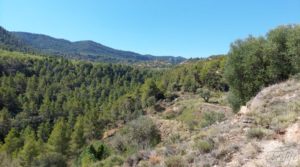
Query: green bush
[(234, 101), (120, 143), (95, 152), (210, 117), (142, 131), (204, 146), (50, 159), (272, 59), (137, 134), (204, 93)]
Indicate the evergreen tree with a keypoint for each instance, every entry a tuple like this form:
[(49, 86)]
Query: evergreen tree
[(12, 143), (150, 91), (77, 137), (5, 123), (30, 148), (58, 140), (43, 131)]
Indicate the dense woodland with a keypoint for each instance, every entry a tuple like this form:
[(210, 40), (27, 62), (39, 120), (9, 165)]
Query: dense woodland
[(53, 111)]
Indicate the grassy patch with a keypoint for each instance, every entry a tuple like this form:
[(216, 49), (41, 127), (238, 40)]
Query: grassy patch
[(204, 146), (192, 115), (175, 161), (255, 133)]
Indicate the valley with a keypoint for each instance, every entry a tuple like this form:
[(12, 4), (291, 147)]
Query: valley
[(238, 109)]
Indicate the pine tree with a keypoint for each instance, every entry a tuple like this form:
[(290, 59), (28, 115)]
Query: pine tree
[(30, 149), (5, 123), (43, 131), (58, 140), (12, 142), (77, 137)]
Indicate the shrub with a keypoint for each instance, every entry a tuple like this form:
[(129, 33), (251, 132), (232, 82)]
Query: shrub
[(204, 146), (150, 101), (170, 96), (110, 161), (175, 161), (209, 118), (225, 150), (255, 133), (143, 132), (204, 93), (120, 142), (94, 152), (50, 159), (234, 101)]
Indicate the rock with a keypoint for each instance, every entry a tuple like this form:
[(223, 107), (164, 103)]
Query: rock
[(244, 110)]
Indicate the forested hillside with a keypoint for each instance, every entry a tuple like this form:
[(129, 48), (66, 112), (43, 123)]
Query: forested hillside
[(87, 50), (81, 50), (9, 42), (62, 112), (44, 99), (38, 93)]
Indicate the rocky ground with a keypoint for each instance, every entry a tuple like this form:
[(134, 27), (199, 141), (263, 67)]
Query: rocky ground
[(265, 132)]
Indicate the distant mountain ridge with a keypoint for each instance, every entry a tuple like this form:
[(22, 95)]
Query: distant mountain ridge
[(87, 50), (10, 42)]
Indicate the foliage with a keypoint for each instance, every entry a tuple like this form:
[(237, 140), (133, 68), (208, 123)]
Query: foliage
[(193, 75), (204, 93), (254, 63), (210, 117), (77, 137), (58, 140), (50, 159), (12, 142), (31, 148), (138, 134), (150, 93), (204, 146), (95, 152), (66, 103), (143, 132)]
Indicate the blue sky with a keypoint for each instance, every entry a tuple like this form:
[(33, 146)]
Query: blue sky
[(189, 28)]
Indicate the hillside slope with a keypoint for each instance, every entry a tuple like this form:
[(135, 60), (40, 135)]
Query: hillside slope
[(266, 132), (9, 42), (87, 50)]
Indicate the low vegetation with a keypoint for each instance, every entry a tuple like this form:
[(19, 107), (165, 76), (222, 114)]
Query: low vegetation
[(204, 146), (55, 111), (257, 133)]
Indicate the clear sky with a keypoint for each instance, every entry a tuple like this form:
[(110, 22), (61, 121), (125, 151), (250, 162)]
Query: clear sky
[(189, 28)]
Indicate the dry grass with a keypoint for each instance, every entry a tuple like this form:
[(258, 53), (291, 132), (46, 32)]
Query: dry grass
[(154, 159), (175, 161), (257, 133)]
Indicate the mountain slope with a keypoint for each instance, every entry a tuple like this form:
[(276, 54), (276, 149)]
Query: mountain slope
[(9, 42), (87, 50)]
